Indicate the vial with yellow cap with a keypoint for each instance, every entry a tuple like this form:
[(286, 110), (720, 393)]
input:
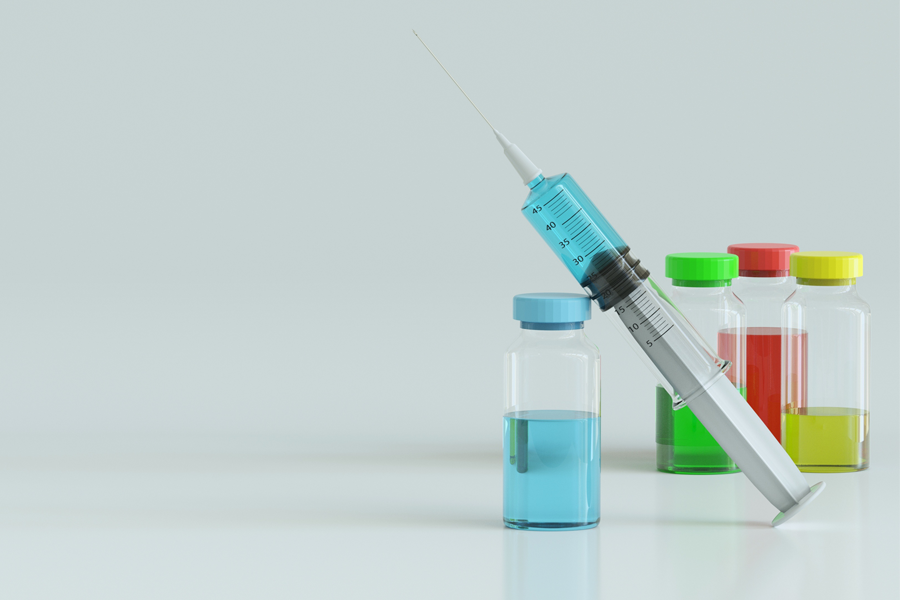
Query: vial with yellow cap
[(825, 368)]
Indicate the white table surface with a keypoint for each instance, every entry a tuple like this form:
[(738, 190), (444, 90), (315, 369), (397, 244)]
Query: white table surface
[(424, 527)]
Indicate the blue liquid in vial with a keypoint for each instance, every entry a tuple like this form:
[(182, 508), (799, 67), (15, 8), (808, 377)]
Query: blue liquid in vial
[(551, 469)]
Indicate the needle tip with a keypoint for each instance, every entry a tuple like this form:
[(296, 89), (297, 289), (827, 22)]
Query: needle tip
[(452, 79)]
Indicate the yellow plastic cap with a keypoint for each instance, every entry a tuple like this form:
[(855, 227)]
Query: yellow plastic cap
[(826, 265)]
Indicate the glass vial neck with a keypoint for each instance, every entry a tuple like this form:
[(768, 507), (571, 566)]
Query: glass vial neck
[(686, 283), (845, 283), (781, 274), (764, 280), (553, 335), (701, 291), (552, 326)]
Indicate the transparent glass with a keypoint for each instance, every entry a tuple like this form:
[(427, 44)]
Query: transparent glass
[(825, 377), (763, 298), (683, 444), (551, 431), (719, 317)]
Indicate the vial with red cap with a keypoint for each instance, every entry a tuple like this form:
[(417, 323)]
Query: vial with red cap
[(764, 283)]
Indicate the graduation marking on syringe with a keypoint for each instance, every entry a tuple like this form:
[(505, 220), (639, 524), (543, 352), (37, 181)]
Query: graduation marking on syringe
[(596, 247), (591, 238), (554, 199), (664, 332), (651, 315), (572, 217), (582, 231)]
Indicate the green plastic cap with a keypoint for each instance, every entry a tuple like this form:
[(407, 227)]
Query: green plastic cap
[(701, 269)]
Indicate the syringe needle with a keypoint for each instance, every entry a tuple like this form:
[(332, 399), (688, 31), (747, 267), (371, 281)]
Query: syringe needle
[(454, 81), (523, 166)]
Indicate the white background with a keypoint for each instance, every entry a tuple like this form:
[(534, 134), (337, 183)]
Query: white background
[(284, 221), (279, 228)]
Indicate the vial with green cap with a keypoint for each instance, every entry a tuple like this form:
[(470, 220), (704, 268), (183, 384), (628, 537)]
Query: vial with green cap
[(551, 425), (702, 291), (825, 365)]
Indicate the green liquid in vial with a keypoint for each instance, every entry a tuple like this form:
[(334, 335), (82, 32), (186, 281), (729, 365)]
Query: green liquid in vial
[(683, 445)]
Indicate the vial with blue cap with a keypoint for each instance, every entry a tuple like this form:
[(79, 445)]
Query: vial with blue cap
[(551, 422)]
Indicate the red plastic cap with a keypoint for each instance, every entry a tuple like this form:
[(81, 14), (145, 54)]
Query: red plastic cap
[(763, 260)]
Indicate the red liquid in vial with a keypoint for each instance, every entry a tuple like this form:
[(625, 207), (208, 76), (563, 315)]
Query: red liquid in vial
[(764, 372)]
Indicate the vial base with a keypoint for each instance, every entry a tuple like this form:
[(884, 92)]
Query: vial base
[(827, 439), (683, 444), (551, 470), (693, 460), (529, 526)]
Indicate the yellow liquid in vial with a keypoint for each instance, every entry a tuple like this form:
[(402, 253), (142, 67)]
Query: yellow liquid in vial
[(827, 439)]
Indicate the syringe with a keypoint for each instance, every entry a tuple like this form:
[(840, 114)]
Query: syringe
[(654, 327)]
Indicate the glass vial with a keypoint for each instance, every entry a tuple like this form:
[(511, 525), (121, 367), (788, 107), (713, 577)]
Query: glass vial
[(764, 284), (825, 365), (702, 290), (551, 422)]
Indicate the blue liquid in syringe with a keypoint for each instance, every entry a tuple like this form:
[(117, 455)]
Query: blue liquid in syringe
[(576, 231), (551, 469)]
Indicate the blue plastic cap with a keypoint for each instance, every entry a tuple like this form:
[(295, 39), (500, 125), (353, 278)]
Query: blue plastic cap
[(551, 308)]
